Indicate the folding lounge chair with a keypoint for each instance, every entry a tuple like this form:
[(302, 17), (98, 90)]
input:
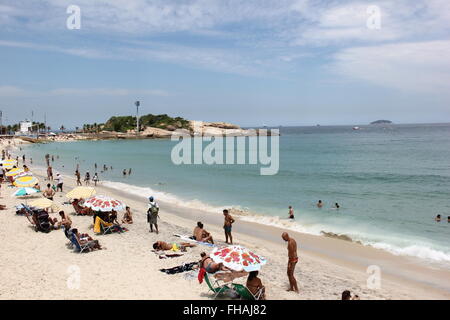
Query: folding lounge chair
[(68, 234), (78, 246), (216, 287), (245, 293)]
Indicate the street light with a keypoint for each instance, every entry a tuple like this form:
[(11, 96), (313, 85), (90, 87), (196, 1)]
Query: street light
[(137, 104)]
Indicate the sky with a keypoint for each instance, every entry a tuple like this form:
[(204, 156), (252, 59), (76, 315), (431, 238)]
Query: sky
[(248, 62)]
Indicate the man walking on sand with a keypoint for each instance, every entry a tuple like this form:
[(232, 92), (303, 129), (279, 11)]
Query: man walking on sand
[(293, 259), (227, 224)]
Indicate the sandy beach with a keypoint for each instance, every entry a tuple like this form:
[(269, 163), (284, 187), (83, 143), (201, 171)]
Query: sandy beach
[(35, 265)]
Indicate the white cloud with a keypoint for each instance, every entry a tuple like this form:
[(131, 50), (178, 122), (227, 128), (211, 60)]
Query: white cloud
[(11, 91), (416, 66)]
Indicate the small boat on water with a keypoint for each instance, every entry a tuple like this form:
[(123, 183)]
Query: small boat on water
[(356, 128)]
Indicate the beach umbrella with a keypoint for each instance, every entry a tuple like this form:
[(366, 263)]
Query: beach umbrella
[(25, 192), (27, 181), (81, 193), (23, 174), (41, 203), (13, 172), (238, 258), (9, 165), (8, 161), (103, 203)]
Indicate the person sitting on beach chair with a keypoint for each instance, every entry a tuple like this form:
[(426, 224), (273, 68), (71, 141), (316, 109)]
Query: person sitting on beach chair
[(84, 241), (255, 286), (201, 234), (161, 245), (79, 210)]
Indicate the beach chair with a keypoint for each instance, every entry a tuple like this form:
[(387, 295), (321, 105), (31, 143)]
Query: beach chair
[(68, 234), (245, 293), (216, 287), (78, 246)]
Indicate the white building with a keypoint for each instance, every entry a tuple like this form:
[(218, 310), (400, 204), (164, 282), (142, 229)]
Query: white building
[(25, 127)]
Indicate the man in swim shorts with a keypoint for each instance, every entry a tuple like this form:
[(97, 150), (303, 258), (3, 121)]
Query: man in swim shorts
[(292, 261), (227, 226)]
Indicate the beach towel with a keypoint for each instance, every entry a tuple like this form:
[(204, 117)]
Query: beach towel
[(201, 275), (179, 269), (98, 223)]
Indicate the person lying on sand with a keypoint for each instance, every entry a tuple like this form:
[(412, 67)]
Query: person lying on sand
[(201, 234), (86, 239), (254, 284), (127, 217), (209, 265), (161, 245)]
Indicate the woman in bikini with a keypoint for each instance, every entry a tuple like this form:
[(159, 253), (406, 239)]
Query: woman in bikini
[(209, 265)]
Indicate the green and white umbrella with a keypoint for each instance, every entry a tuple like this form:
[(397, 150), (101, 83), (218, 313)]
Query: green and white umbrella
[(21, 192)]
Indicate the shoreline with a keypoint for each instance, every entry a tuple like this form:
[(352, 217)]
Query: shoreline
[(327, 266)]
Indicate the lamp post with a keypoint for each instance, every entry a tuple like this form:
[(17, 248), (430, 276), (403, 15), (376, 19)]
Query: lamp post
[(137, 104)]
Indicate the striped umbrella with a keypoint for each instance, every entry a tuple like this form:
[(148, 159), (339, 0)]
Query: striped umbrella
[(23, 174), (41, 203), (13, 172), (9, 165), (27, 181), (25, 192), (103, 203)]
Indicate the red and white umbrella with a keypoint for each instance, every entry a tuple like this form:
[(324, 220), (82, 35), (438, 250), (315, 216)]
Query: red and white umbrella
[(104, 203), (238, 258)]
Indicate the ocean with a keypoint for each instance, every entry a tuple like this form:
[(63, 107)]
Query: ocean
[(389, 180)]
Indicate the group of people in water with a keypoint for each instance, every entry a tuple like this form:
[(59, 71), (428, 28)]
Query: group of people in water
[(319, 205)]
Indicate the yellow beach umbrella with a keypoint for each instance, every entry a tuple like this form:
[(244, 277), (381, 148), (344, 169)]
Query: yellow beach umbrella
[(42, 203), (9, 165), (81, 193), (27, 181), (14, 171)]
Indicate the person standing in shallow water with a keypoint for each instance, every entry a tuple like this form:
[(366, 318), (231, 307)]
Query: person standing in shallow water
[(291, 212), (292, 261), (124, 172)]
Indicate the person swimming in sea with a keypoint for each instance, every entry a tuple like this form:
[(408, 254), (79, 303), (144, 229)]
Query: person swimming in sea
[(438, 218), (336, 205), (319, 204), (291, 212)]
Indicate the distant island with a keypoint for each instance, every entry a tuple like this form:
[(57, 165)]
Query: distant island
[(381, 122)]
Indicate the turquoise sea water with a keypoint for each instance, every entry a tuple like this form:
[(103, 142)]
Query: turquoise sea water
[(390, 181)]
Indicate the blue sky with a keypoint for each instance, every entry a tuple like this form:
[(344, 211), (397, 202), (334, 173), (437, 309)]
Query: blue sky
[(253, 62)]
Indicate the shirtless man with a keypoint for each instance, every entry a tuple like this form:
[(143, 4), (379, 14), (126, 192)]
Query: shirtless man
[(201, 234), (319, 204), (228, 221), (49, 173), (291, 212), (293, 259)]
